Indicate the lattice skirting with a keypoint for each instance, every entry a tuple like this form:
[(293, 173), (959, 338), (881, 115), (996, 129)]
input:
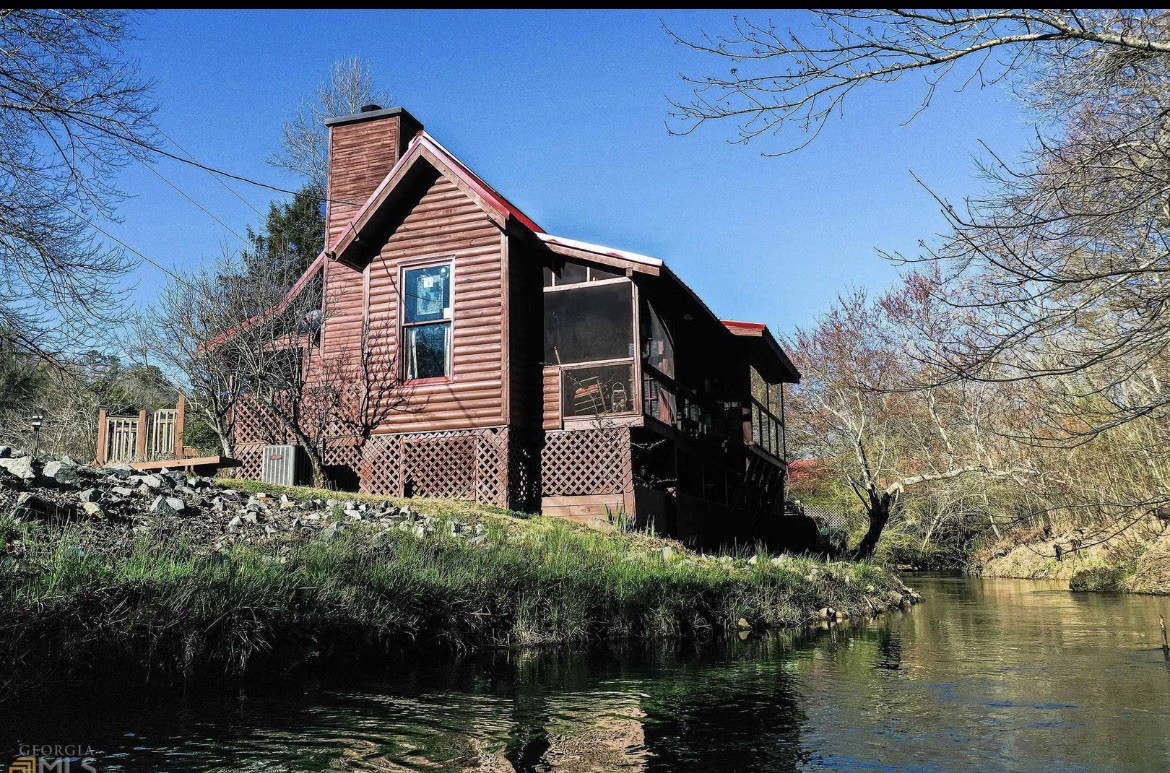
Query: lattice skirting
[(588, 461), (461, 464), (496, 466), (251, 457)]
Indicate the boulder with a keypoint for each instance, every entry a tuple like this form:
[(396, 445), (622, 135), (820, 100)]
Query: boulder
[(19, 467), (150, 481), (63, 472), (162, 506)]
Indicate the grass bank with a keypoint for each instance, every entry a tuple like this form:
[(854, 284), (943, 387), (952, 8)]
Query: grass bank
[(1135, 559), (79, 594)]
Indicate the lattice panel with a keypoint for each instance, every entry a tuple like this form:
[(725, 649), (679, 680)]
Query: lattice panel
[(381, 465), (491, 467), (589, 461), (345, 451), (251, 458), (524, 470), (439, 465), (254, 423)]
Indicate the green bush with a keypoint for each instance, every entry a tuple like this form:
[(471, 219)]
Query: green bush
[(1098, 579)]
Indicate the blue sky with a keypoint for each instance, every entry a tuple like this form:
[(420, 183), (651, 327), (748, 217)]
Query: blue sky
[(564, 113)]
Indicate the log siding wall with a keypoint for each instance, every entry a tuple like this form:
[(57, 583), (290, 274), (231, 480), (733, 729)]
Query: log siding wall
[(442, 225)]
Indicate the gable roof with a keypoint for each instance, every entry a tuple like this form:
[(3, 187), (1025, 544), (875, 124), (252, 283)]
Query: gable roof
[(765, 345), (425, 147)]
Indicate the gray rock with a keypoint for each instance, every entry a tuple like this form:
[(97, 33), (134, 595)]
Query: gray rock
[(5, 452), (234, 523), (162, 506), (250, 517), (89, 495), (92, 509), (20, 467), (121, 491), (150, 481), (176, 504), (122, 471), (330, 532)]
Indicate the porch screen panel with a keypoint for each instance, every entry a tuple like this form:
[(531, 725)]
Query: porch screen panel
[(589, 323)]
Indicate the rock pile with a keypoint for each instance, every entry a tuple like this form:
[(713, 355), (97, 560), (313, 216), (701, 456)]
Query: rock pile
[(61, 490)]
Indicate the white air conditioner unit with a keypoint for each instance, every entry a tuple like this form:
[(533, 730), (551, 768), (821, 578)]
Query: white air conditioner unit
[(280, 465)]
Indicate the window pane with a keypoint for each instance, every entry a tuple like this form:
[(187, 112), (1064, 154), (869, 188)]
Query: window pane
[(571, 273), (597, 390), (589, 323), (428, 294), (658, 345), (427, 350)]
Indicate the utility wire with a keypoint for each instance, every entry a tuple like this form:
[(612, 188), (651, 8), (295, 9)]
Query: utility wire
[(183, 193), (213, 176), (191, 161), (109, 235)]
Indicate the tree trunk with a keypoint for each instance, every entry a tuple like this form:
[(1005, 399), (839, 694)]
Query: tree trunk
[(878, 510)]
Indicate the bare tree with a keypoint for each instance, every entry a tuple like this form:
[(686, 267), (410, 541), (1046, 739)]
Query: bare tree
[(777, 79), (196, 308), (72, 113), (305, 144), (853, 409), (245, 349)]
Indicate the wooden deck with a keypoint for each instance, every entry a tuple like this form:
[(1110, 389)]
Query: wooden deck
[(194, 463)]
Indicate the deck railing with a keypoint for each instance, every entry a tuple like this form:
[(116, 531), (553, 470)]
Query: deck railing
[(767, 430), (142, 438)]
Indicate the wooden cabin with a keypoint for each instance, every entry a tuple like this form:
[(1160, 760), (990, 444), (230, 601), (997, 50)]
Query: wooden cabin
[(533, 371)]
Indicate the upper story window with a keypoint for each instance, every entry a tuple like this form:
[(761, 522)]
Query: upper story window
[(426, 321)]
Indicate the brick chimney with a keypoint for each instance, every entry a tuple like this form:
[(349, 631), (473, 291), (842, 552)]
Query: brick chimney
[(362, 149)]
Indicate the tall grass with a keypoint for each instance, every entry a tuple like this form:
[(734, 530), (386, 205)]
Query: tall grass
[(72, 598)]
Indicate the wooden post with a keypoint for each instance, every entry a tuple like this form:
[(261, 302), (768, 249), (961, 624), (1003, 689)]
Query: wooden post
[(103, 438), (1165, 644), (179, 410), (140, 448)]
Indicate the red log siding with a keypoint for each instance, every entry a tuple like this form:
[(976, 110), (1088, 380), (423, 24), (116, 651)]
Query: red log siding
[(552, 397), (361, 154), (443, 224)]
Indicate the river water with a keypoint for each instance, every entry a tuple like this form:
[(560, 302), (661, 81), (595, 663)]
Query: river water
[(984, 675)]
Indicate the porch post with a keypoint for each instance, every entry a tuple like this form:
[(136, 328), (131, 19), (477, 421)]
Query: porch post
[(140, 449), (103, 438), (179, 410)]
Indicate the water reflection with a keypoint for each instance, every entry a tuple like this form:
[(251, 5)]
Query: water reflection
[(986, 675)]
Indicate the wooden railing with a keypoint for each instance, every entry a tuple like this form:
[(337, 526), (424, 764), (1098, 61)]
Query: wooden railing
[(142, 438), (767, 430)]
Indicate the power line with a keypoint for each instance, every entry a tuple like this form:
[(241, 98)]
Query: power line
[(182, 193), (225, 186), (109, 235), (193, 162)]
